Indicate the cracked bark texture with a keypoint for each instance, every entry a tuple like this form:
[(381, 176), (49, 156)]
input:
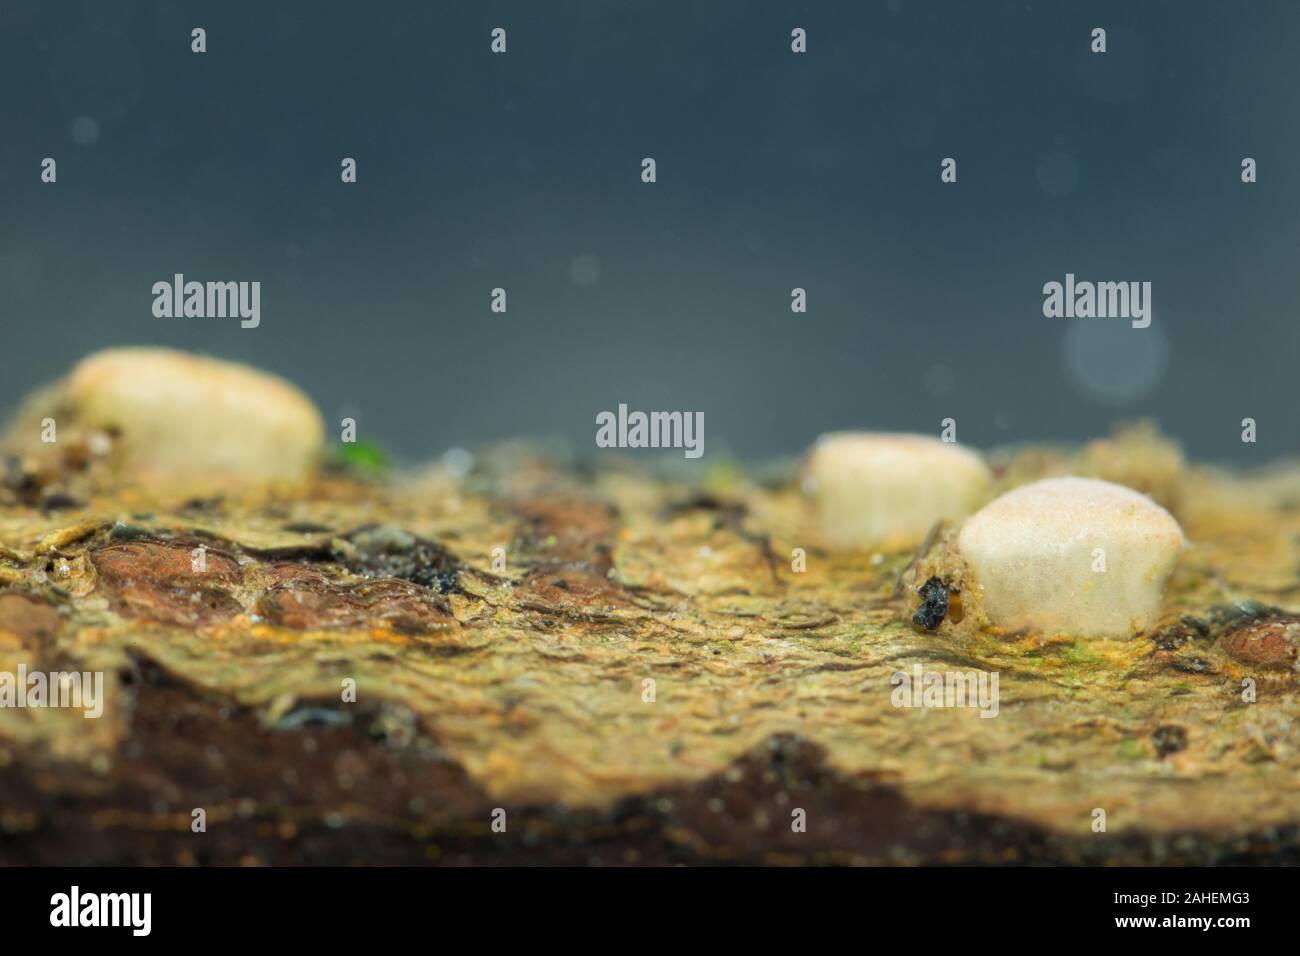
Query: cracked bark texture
[(524, 688)]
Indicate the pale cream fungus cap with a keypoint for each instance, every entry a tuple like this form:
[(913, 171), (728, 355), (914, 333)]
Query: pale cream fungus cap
[(874, 488), (177, 414), (1072, 555)]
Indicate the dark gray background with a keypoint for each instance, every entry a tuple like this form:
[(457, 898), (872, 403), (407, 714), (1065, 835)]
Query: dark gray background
[(775, 171)]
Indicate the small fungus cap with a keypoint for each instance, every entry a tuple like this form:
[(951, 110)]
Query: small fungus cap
[(875, 488), (173, 414), (1076, 555)]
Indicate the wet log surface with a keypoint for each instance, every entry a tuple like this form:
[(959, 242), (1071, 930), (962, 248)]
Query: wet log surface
[(516, 680)]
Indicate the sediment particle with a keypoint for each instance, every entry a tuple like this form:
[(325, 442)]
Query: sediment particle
[(934, 604), (1071, 555), (873, 488)]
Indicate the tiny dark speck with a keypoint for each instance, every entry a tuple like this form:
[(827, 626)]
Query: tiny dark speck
[(934, 604), (59, 501), (1193, 665), (307, 527), (1169, 739)]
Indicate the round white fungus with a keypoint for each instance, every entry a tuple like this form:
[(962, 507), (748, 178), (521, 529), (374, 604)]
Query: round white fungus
[(872, 488), (173, 413), (1072, 555)]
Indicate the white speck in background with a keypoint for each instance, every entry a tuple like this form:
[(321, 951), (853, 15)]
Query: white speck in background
[(458, 461), (1057, 172), (84, 131), (1111, 363), (584, 270), (938, 379)]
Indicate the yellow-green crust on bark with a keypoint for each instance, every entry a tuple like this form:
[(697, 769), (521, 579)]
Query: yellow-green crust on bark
[(532, 678)]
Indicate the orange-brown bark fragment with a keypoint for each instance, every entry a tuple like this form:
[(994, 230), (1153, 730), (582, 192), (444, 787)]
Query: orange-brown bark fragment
[(158, 582), (309, 600), (1266, 642), (583, 531), (32, 620)]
